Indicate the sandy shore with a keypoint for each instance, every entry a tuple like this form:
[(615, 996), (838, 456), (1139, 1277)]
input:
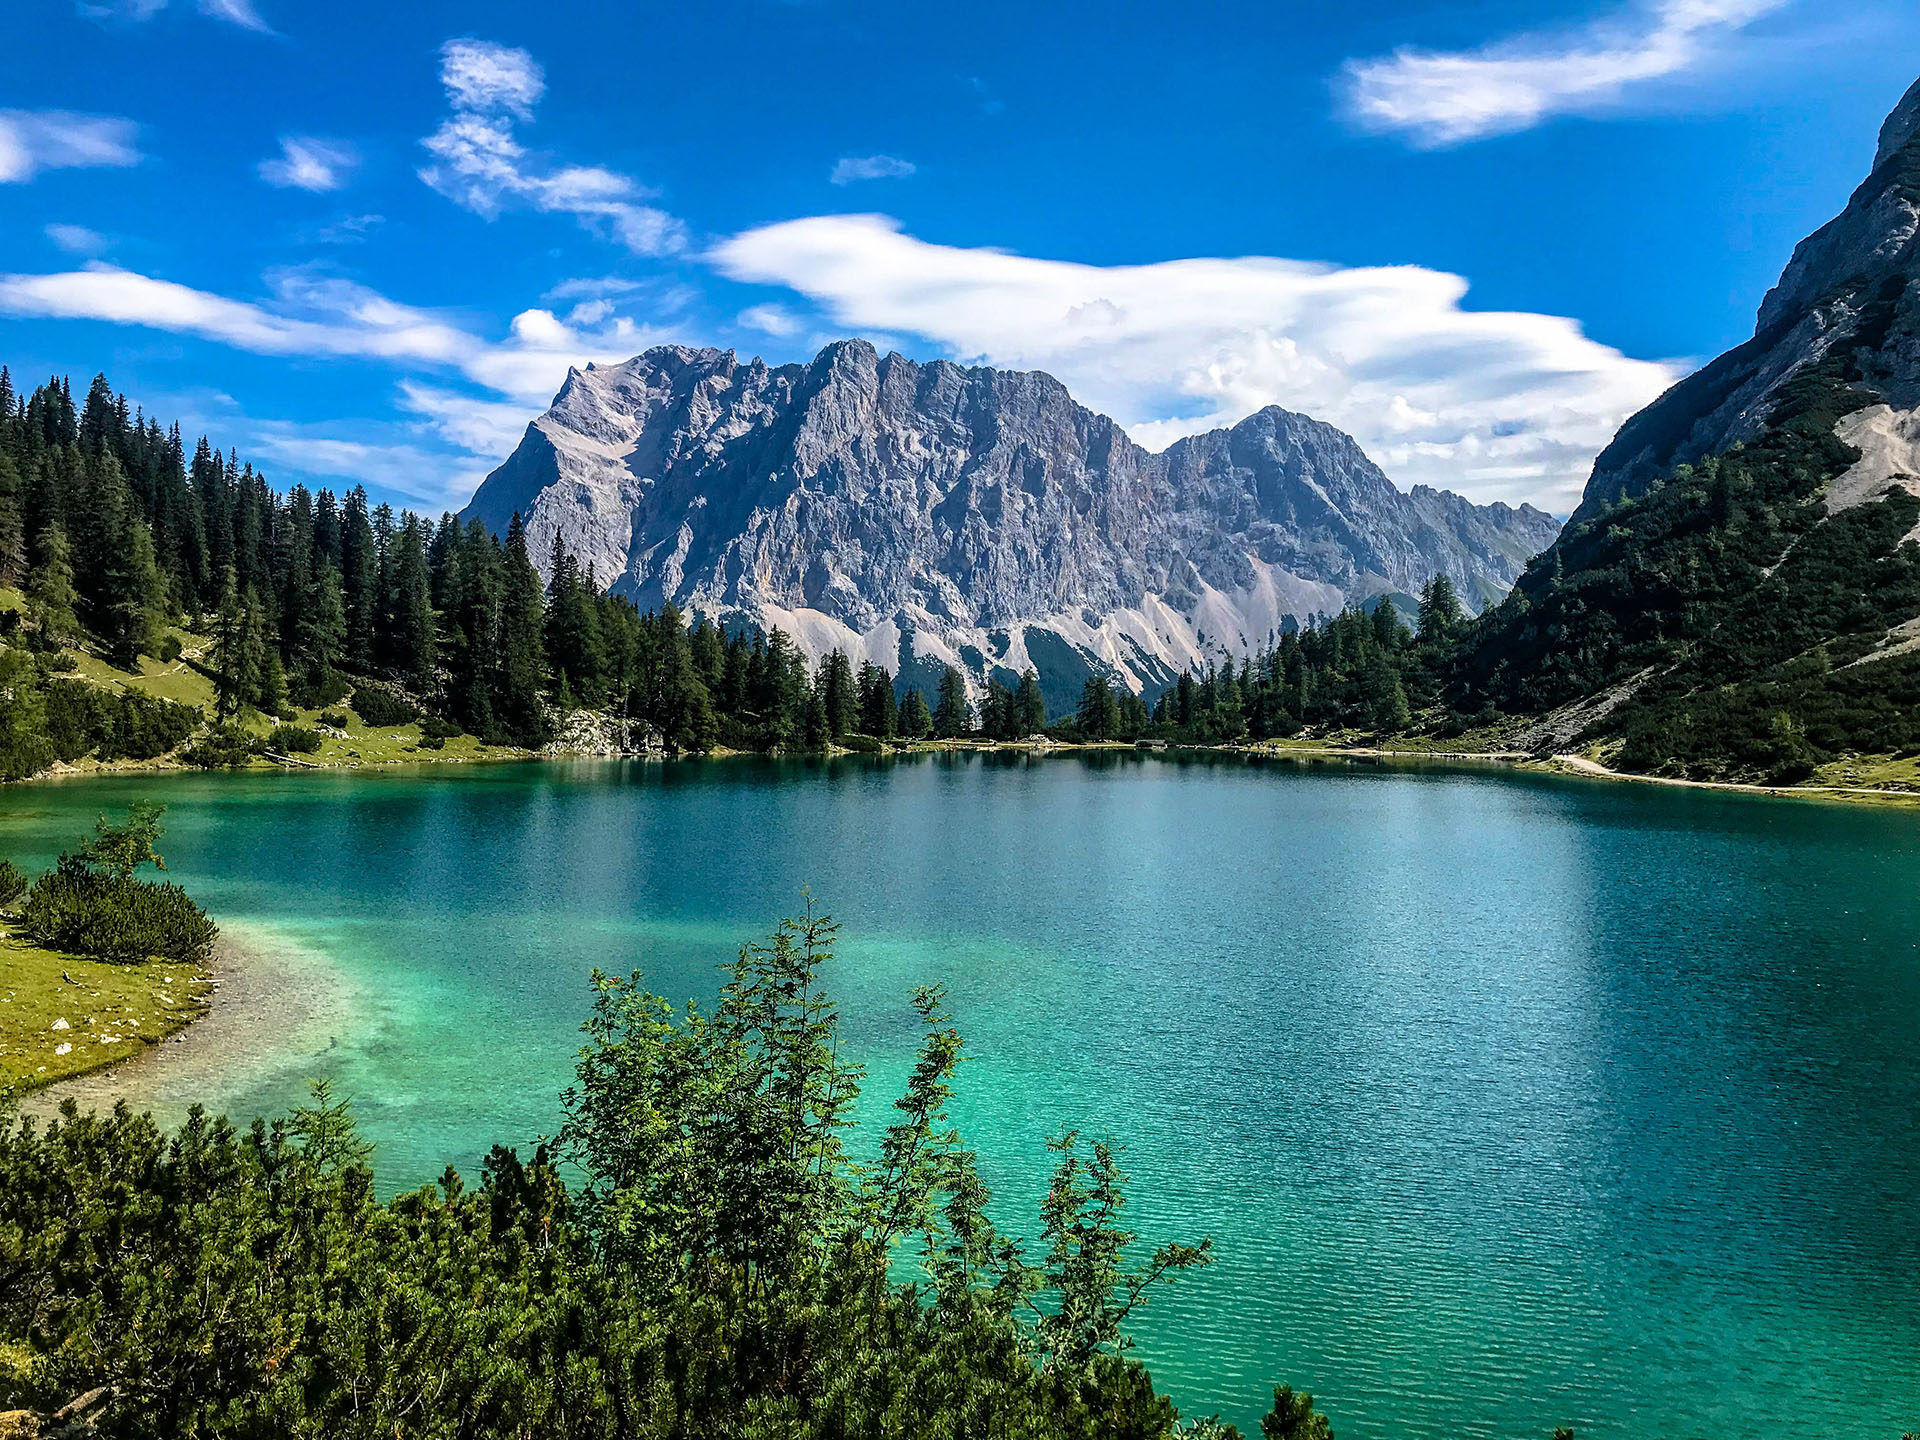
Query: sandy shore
[(275, 1006)]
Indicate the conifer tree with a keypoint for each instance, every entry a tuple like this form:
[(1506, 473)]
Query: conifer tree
[(1099, 713), (837, 692), (952, 718), (52, 601), (1029, 706), (916, 721)]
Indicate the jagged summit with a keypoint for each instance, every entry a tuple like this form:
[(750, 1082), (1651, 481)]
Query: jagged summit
[(927, 514), (1842, 295)]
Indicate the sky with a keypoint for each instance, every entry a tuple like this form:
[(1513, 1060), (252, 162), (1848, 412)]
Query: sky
[(362, 244)]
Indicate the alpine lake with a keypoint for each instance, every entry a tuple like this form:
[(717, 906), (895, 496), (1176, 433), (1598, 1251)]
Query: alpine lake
[(1509, 1100)]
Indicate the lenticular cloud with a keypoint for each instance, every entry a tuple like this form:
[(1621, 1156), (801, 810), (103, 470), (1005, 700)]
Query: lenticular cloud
[(1496, 405)]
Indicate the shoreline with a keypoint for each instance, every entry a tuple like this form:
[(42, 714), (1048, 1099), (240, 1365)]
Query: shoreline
[(273, 1004), (1558, 764)]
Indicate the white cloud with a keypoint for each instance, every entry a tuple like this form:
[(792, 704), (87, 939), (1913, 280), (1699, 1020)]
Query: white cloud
[(477, 426), (433, 477), (314, 315), (237, 12), (77, 239), (1495, 405), (770, 320), (850, 168), (307, 162), (347, 230), (478, 162), (1442, 98), (593, 287), (36, 140)]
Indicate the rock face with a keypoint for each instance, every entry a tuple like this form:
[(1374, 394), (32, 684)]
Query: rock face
[(921, 515), (1846, 295)]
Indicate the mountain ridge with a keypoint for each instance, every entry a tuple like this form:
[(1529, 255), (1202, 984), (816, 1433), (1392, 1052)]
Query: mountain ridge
[(929, 514)]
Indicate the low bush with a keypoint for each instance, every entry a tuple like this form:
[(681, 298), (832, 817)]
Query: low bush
[(293, 740), (169, 650), (334, 719), (222, 746), (382, 707), (432, 727), (13, 884), (106, 917)]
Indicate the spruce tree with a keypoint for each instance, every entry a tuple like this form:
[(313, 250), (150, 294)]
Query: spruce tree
[(952, 718), (1099, 713), (837, 691), (916, 721), (52, 601), (13, 523), (522, 646), (1029, 706)]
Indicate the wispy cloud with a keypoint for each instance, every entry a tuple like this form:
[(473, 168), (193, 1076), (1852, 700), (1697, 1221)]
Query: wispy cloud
[(307, 162), (347, 230), (1495, 405), (36, 140), (77, 239), (235, 12), (1438, 98), (308, 314), (238, 12), (850, 168), (769, 320), (478, 162)]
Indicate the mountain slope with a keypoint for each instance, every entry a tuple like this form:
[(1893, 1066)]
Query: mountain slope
[(1739, 592), (923, 515)]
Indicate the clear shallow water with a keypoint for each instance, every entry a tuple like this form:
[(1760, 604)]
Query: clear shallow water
[(1510, 1101)]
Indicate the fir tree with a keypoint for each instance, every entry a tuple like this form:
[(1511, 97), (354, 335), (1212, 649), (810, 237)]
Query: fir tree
[(52, 601), (1029, 706), (952, 718)]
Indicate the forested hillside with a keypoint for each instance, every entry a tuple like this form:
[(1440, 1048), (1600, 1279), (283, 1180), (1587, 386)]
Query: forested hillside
[(115, 542)]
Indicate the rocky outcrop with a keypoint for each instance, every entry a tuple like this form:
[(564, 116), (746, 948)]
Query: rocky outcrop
[(1847, 295), (923, 515)]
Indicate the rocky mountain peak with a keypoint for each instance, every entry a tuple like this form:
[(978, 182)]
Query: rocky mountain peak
[(1901, 127), (930, 514), (1846, 294)]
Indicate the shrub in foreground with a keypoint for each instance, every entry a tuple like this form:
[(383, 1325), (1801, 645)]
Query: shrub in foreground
[(724, 1268), (91, 904), (102, 917)]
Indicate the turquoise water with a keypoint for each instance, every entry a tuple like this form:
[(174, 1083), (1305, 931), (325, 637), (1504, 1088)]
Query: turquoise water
[(1509, 1100)]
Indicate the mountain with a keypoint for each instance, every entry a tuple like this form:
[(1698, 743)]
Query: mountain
[(923, 515), (1738, 594)]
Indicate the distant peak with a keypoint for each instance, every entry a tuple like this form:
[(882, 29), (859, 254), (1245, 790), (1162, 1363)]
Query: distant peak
[(1900, 126)]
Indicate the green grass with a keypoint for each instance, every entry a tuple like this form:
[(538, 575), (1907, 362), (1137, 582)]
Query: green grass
[(111, 1011)]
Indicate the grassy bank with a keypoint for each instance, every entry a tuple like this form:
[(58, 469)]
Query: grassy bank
[(111, 1011)]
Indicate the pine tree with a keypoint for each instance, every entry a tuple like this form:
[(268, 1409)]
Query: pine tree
[(13, 520), (52, 601), (952, 718), (878, 713), (818, 731), (522, 646), (916, 721), (1441, 617), (837, 691), (411, 640), (235, 666), (1030, 707), (359, 580), (1099, 713)]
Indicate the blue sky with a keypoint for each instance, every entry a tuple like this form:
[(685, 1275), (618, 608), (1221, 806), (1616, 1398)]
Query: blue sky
[(364, 242)]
